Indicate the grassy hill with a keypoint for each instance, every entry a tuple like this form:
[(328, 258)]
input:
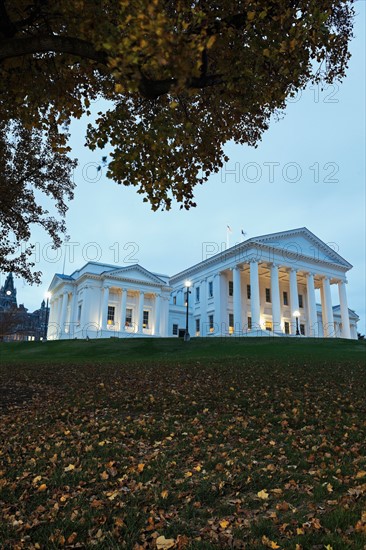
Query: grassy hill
[(158, 444), (173, 349)]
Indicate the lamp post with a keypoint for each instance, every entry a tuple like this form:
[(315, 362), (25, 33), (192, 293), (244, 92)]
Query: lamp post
[(297, 315), (48, 296), (186, 334)]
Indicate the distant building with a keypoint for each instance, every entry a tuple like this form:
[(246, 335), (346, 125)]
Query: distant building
[(265, 285), (16, 324)]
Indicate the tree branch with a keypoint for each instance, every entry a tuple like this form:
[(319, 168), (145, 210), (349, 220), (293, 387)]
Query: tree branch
[(18, 47)]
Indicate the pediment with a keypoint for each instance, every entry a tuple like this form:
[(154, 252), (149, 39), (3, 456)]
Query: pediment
[(59, 279), (136, 273), (303, 242)]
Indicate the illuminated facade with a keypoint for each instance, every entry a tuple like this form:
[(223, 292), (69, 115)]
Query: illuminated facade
[(266, 285)]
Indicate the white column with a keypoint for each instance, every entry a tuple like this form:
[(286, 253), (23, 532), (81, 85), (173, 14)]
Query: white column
[(52, 320), (224, 292), (122, 321), (346, 328), (276, 304), (217, 304), (238, 323), (157, 315), (105, 307), (141, 312), (65, 297), (203, 307), (254, 295), (84, 312), (294, 298), (74, 302), (313, 317), (328, 308)]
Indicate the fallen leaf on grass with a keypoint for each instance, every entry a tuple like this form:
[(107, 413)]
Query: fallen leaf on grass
[(164, 544), (263, 494), (269, 543), (224, 523)]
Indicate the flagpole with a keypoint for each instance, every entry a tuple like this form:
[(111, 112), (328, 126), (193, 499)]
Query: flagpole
[(228, 231)]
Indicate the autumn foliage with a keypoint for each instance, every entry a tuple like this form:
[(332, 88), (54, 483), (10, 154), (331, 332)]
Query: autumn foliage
[(179, 79), (201, 453)]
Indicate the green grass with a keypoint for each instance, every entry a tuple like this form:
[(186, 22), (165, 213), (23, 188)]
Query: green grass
[(171, 439), (172, 349)]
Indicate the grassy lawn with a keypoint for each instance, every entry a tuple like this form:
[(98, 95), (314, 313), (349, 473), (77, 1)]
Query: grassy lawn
[(232, 443)]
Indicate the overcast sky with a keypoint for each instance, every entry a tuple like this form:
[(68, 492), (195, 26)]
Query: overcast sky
[(309, 170)]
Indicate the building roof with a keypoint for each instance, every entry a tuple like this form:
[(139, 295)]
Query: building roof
[(297, 243)]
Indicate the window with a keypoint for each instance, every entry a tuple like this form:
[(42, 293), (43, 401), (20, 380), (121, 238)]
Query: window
[(287, 327), (285, 299), (211, 323), (268, 294), (248, 292), (249, 323), (174, 300), (210, 289), (231, 323), (128, 317), (301, 302), (79, 313), (110, 315), (175, 330), (268, 325), (302, 329), (198, 327), (145, 319), (197, 293), (231, 288)]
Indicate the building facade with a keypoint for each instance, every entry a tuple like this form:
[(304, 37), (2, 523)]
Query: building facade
[(266, 285), (100, 301), (16, 323)]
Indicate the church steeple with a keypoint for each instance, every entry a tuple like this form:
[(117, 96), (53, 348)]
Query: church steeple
[(8, 293)]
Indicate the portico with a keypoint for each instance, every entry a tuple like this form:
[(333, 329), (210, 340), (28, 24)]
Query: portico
[(264, 284)]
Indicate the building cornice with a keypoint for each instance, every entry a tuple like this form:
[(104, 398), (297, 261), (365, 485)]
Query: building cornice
[(233, 253)]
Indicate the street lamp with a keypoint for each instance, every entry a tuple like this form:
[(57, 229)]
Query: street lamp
[(297, 315), (48, 296), (187, 337)]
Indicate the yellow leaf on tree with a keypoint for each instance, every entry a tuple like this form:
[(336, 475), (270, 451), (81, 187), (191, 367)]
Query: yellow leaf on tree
[(251, 15), (211, 42), (263, 494), (188, 474), (164, 544)]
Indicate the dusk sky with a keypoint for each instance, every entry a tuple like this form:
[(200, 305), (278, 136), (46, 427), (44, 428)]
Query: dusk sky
[(320, 142)]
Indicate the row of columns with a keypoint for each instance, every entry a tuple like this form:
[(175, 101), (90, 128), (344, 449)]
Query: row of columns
[(326, 301)]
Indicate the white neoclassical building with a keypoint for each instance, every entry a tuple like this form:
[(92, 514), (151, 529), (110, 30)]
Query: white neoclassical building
[(278, 284), (99, 301)]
